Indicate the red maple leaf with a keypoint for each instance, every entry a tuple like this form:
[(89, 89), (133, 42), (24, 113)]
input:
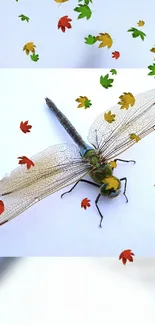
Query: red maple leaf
[(25, 127), (24, 160), (85, 203), (1, 207), (64, 22), (126, 255), (115, 55)]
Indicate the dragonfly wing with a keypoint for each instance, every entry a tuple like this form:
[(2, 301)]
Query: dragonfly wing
[(111, 139), (54, 168)]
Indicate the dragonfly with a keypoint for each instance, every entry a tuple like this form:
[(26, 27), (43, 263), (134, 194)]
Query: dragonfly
[(64, 164)]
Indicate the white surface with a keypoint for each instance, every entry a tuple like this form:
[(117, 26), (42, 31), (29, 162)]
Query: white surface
[(56, 226), (68, 50), (77, 291)]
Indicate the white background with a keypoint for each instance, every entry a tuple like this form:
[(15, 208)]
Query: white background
[(77, 291), (56, 226), (68, 50)]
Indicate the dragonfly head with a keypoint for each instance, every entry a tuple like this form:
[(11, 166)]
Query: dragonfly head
[(112, 191)]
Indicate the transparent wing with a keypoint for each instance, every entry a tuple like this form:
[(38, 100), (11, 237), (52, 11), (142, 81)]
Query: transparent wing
[(111, 139), (54, 168)]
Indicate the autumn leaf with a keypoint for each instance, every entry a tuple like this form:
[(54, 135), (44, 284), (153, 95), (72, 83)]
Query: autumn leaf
[(29, 47), (135, 137), (126, 255), (153, 50), (64, 22), (25, 127), (90, 40), (106, 82), (137, 33), (84, 10), (152, 68), (140, 23), (112, 183), (113, 164), (85, 203), (24, 160), (60, 1), (126, 100), (1, 207), (113, 71), (34, 57), (23, 17), (105, 40), (109, 117), (84, 102), (115, 55)]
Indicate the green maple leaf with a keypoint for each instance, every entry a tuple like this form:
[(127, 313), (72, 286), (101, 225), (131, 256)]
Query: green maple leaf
[(86, 1), (84, 11), (105, 81), (152, 68), (137, 33), (23, 17), (90, 40), (113, 71), (34, 57), (87, 103)]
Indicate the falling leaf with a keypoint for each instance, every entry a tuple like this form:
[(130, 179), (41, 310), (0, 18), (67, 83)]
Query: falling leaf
[(84, 102), (1, 207), (109, 117), (113, 71), (126, 100), (152, 68), (153, 50), (126, 255), (64, 22), (135, 137), (137, 33), (115, 55), (34, 57), (113, 164), (106, 82), (105, 40), (141, 23), (112, 183), (25, 127), (85, 203), (24, 160), (84, 10), (60, 1), (23, 17), (29, 47), (90, 40)]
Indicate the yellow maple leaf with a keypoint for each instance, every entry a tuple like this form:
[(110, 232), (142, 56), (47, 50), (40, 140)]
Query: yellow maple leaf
[(112, 183), (126, 100), (140, 23), (105, 40), (135, 137), (153, 50), (60, 1), (81, 100), (113, 164), (29, 47), (109, 117)]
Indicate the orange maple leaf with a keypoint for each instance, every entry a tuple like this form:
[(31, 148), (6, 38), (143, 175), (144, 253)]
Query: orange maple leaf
[(64, 22), (115, 55), (1, 206), (24, 160), (25, 127), (85, 203), (126, 255)]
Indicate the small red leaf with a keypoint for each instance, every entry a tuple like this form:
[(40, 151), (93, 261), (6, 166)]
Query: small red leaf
[(25, 127), (126, 255), (85, 203), (64, 22), (24, 160), (115, 55), (1, 207)]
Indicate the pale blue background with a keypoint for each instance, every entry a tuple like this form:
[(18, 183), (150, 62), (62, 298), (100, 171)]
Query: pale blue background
[(68, 50)]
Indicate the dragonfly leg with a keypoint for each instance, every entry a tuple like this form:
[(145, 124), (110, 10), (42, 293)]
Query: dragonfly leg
[(124, 192), (96, 201), (81, 180), (125, 160)]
